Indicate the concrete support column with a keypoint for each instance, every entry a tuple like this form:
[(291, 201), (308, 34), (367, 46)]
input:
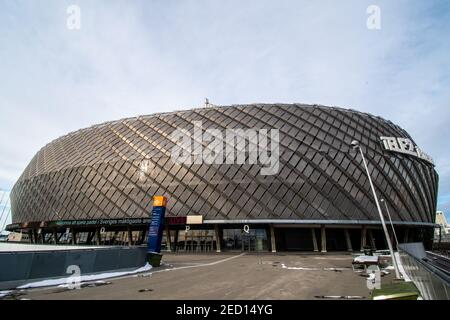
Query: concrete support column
[(55, 236), (347, 239), (218, 238), (314, 239), (114, 237), (98, 237), (406, 236), (168, 239), (205, 241), (130, 236), (211, 245), (198, 241), (176, 240), (323, 238), (273, 243), (144, 233), (372, 240), (192, 240), (363, 237), (40, 236), (74, 236)]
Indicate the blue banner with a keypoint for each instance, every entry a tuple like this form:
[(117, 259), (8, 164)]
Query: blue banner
[(156, 228)]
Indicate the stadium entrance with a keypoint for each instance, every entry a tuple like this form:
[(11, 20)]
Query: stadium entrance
[(181, 236), (245, 239)]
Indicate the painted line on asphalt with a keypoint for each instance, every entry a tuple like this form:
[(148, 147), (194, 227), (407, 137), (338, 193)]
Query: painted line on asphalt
[(195, 266), (148, 274)]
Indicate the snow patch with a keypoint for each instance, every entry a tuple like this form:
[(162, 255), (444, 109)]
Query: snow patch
[(64, 282), (314, 269), (4, 293), (297, 268), (98, 282), (365, 259)]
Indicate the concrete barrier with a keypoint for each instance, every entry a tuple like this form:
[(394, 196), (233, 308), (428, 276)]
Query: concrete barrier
[(22, 267)]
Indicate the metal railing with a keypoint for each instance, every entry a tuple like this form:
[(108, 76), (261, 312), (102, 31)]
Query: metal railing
[(432, 281)]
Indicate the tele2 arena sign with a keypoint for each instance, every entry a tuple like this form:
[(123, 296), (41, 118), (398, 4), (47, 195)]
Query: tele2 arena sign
[(406, 146)]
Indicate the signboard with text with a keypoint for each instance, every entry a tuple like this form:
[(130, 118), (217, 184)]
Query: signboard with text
[(405, 146), (156, 227)]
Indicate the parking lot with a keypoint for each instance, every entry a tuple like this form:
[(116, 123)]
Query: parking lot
[(229, 276)]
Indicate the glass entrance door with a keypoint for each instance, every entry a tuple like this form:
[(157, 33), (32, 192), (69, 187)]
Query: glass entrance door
[(239, 240), (248, 242)]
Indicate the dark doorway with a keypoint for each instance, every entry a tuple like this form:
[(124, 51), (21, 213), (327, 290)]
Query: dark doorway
[(355, 239), (294, 239), (336, 239), (379, 239)]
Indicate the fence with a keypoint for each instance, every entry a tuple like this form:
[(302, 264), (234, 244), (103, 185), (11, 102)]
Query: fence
[(433, 283)]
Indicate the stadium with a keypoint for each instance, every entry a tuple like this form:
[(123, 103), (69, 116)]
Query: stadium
[(310, 191)]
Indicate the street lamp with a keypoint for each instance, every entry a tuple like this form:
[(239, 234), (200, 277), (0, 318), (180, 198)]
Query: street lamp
[(392, 225), (355, 145)]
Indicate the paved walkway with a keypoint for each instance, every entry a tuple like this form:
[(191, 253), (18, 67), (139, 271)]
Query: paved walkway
[(229, 276)]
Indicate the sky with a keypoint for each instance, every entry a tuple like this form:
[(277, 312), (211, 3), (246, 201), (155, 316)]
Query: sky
[(140, 57)]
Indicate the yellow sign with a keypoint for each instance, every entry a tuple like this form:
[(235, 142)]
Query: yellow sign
[(197, 219), (159, 201)]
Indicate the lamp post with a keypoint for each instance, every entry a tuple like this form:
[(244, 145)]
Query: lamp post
[(355, 145), (392, 225)]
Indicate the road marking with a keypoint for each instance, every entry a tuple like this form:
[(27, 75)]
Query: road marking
[(333, 258), (200, 265), (146, 274)]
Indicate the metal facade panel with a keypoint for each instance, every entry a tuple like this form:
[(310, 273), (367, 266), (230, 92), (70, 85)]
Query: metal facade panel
[(98, 172)]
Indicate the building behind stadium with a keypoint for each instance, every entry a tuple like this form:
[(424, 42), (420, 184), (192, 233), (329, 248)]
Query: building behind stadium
[(310, 191)]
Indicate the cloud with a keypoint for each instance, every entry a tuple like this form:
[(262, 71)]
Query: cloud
[(140, 57)]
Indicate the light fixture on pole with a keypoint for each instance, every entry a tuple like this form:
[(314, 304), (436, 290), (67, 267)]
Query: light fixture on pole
[(392, 225), (355, 145)]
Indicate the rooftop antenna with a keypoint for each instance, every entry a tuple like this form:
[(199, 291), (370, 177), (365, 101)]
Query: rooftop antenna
[(208, 104)]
